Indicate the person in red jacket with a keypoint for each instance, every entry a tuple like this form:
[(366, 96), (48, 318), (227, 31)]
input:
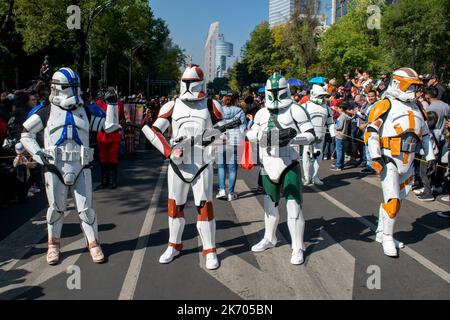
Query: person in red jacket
[(108, 147)]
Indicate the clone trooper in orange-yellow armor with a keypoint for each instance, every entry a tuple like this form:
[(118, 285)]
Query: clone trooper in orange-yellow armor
[(190, 116), (397, 129)]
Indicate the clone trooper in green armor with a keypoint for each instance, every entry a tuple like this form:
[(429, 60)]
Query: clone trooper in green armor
[(279, 156)]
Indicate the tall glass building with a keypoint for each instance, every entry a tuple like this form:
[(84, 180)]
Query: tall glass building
[(281, 11), (217, 50), (210, 52), (223, 50)]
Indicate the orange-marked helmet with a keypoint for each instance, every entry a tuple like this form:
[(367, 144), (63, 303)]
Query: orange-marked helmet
[(404, 84)]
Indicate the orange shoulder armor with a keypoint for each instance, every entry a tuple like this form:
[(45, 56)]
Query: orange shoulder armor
[(379, 109)]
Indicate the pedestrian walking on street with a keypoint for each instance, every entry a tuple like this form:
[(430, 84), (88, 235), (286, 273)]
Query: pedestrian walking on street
[(229, 151)]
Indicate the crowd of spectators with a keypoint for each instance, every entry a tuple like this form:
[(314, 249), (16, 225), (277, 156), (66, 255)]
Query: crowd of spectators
[(350, 102)]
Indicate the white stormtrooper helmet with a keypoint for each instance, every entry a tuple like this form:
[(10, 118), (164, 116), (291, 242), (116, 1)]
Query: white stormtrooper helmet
[(278, 94), (192, 85), (318, 94), (65, 89), (404, 85)]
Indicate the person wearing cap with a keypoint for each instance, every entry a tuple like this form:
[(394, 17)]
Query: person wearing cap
[(332, 86), (348, 85), (382, 84), (434, 83)]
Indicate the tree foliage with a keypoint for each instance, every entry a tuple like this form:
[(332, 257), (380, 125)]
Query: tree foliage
[(350, 43), (417, 33), (290, 49), (122, 31)]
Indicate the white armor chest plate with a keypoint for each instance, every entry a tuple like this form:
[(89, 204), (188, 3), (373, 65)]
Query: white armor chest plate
[(284, 118), (403, 118), (190, 120), (319, 116), (403, 121), (276, 160), (66, 140), (57, 122)]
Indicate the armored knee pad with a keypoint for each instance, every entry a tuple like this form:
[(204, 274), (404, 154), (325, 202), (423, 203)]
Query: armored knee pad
[(392, 207), (88, 216)]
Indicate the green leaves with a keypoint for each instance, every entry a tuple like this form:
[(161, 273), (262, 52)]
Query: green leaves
[(111, 29), (290, 49), (418, 32)]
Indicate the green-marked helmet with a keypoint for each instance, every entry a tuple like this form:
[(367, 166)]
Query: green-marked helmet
[(278, 94)]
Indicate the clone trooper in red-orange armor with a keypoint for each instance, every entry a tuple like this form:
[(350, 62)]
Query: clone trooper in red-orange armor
[(397, 129), (190, 115)]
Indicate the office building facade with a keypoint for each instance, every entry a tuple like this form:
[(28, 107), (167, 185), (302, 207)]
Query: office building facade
[(217, 50), (224, 50), (281, 11), (209, 66)]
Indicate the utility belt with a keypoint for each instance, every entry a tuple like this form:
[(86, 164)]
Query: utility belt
[(408, 143), (84, 155)]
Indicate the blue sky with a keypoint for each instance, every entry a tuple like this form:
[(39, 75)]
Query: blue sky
[(189, 21)]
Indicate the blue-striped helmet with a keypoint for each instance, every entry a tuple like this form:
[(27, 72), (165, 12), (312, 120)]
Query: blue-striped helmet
[(66, 92)]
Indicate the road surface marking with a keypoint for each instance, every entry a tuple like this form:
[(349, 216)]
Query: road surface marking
[(431, 206), (132, 277), (407, 250), (276, 278)]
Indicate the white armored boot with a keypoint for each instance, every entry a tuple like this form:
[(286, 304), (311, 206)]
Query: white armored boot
[(54, 249), (176, 228), (271, 219), (296, 225), (90, 229), (207, 232), (388, 243), (379, 231), (316, 166), (56, 221), (306, 161)]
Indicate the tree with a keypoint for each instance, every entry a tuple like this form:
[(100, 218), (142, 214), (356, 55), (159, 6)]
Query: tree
[(6, 13), (350, 43), (290, 49), (44, 23), (111, 28), (219, 84), (259, 51), (416, 33)]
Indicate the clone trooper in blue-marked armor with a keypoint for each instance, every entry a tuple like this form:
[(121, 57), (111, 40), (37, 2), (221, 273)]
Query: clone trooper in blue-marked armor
[(66, 156)]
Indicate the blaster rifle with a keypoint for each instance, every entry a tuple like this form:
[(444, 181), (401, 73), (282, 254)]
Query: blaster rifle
[(282, 136), (207, 137)]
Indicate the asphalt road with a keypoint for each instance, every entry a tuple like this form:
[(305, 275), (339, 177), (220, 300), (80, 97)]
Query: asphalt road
[(342, 259)]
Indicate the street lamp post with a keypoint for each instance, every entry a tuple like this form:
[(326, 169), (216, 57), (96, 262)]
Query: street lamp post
[(413, 57), (132, 52), (90, 64)]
